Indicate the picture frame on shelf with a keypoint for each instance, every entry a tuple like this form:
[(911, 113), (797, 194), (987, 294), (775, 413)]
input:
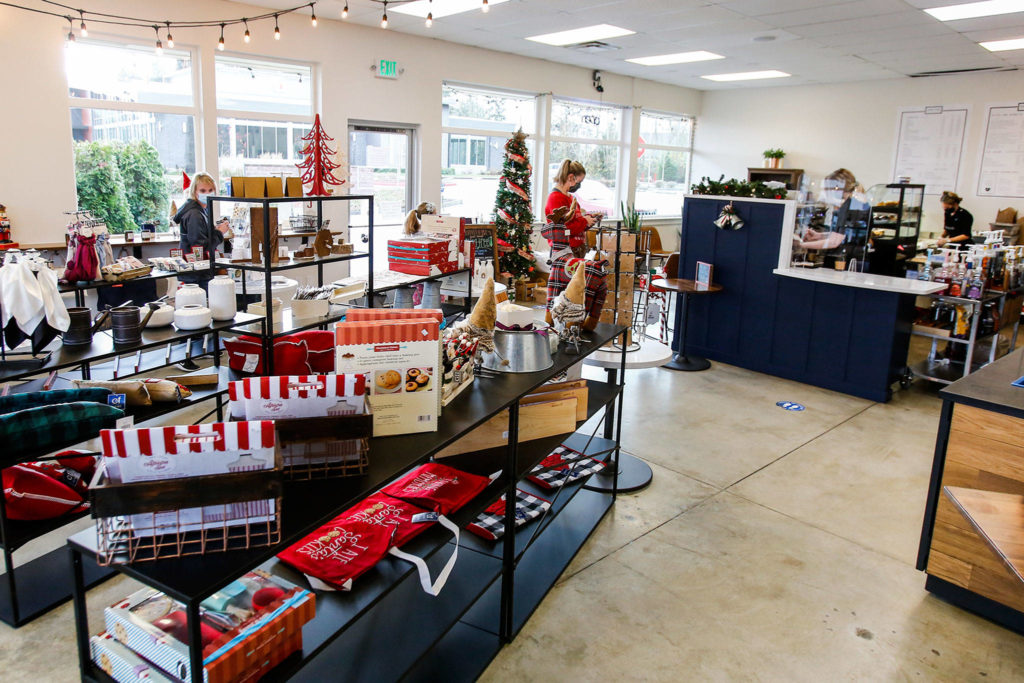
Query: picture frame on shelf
[(703, 276)]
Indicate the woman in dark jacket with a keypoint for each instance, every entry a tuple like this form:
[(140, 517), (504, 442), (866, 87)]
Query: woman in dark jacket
[(195, 228), (958, 222)]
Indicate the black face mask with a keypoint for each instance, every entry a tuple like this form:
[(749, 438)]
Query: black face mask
[(576, 187)]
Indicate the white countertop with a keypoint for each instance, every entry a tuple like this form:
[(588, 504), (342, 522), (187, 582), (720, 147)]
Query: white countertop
[(884, 283)]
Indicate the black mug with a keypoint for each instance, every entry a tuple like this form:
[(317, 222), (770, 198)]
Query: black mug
[(82, 327)]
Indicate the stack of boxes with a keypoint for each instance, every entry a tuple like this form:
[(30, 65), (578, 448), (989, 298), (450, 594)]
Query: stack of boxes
[(618, 308)]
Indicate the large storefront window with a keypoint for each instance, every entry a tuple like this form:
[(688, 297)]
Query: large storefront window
[(663, 163), (593, 135)]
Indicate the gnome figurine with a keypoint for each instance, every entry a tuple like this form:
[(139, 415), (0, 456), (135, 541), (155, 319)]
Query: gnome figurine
[(569, 310), (480, 325)]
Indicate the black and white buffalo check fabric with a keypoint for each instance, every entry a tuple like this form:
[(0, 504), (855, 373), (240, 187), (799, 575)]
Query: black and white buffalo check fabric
[(490, 524), (564, 466)]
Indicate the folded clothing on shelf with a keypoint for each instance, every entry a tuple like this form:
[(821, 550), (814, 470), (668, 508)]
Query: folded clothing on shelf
[(45, 490), (564, 466), (490, 524)]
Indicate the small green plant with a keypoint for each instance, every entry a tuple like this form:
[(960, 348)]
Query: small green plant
[(631, 218), (774, 154)]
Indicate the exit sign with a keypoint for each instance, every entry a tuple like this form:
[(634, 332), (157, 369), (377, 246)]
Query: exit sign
[(387, 68)]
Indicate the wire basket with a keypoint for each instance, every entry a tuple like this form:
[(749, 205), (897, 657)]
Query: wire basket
[(302, 223), (325, 459)]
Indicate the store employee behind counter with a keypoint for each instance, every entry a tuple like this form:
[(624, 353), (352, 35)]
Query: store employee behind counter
[(841, 229), (958, 222)]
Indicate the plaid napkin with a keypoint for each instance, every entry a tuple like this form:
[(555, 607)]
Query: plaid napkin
[(490, 524), (56, 425), (564, 466)]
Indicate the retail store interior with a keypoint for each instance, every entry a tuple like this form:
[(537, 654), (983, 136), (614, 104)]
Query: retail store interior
[(798, 404)]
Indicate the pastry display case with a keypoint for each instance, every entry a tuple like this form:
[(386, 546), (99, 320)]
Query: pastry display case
[(894, 225)]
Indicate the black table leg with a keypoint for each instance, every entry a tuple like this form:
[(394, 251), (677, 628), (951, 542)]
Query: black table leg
[(681, 361), (609, 413)]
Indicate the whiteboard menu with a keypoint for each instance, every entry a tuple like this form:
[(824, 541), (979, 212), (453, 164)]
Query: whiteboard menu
[(1002, 156), (929, 145)]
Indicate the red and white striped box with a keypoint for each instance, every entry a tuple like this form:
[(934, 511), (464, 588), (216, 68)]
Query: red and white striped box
[(401, 358), (296, 396), (122, 664), (364, 314)]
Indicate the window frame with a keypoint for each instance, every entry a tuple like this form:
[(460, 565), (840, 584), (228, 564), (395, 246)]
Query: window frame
[(666, 148)]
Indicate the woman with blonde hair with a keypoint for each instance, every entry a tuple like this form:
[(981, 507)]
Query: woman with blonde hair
[(195, 229), (567, 181)]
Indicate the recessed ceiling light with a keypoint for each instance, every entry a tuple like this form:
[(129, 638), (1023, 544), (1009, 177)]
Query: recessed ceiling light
[(440, 8), (970, 10), (582, 35), (677, 58), (747, 76), (1000, 45)]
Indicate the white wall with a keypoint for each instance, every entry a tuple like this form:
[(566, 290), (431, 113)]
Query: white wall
[(36, 163), (826, 127)]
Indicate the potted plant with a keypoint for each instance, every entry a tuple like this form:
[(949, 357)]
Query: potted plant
[(631, 218), (773, 158)]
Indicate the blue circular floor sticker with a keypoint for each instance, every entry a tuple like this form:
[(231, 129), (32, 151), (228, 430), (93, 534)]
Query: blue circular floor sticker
[(789, 405)]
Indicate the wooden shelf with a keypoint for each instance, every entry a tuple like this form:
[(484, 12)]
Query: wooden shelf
[(999, 520)]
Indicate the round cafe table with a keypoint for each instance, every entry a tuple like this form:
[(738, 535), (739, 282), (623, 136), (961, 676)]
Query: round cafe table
[(685, 289)]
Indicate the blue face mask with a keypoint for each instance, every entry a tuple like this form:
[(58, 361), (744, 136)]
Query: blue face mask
[(201, 197)]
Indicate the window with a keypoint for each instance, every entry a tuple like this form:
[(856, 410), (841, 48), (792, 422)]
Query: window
[(475, 125), (593, 135), (663, 163), (263, 110), (133, 116)]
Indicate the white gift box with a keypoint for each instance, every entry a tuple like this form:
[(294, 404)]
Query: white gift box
[(296, 396)]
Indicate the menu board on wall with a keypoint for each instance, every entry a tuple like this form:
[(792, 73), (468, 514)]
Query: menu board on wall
[(1002, 155), (929, 145)]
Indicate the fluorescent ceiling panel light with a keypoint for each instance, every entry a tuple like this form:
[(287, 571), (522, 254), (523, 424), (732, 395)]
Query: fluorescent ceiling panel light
[(970, 10), (441, 8), (1000, 45), (582, 35), (747, 76), (677, 58)]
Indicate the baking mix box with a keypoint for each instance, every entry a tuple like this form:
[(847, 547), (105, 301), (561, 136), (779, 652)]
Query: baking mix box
[(439, 247), (122, 664), (401, 358)]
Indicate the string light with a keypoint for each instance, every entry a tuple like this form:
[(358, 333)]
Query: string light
[(220, 43), (85, 31), (384, 19), (312, 18), (71, 30), (170, 38), (486, 7), (277, 29), (344, 12), (247, 37), (159, 45), (430, 15)]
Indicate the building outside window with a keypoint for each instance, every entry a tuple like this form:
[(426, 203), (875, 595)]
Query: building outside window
[(663, 163), (592, 134), (133, 116), (475, 125)]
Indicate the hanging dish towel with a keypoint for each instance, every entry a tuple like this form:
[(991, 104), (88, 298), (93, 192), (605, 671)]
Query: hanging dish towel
[(23, 307)]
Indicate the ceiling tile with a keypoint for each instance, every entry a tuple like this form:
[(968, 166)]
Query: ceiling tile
[(756, 8), (872, 23), (829, 13)]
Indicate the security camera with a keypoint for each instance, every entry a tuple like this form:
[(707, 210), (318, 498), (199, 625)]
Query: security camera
[(597, 82)]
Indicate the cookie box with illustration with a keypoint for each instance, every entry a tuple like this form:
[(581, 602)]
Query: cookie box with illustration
[(122, 664), (246, 628)]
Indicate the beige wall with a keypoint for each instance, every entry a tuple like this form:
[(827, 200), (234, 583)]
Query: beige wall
[(825, 127), (36, 169)]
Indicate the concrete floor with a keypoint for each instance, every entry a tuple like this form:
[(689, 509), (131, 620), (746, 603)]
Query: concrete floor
[(771, 546)]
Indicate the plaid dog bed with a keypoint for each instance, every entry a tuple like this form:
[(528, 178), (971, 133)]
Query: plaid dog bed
[(558, 280), (564, 466), (490, 524)]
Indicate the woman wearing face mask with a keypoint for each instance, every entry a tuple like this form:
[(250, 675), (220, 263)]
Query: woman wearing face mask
[(568, 180), (195, 229), (958, 223), (844, 222)]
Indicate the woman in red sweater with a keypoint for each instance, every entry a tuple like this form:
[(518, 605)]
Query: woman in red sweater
[(568, 179)]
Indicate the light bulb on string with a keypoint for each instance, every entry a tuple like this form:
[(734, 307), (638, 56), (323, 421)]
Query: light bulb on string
[(159, 45), (220, 43), (384, 19), (344, 12), (430, 15), (85, 31), (71, 31), (486, 7), (312, 18), (247, 37), (277, 29), (170, 38)]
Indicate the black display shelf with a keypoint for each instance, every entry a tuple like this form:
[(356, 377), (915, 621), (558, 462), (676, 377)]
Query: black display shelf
[(290, 324), (419, 280), (103, 347), (290, 263), (461, 655), (42, 584), (549, 556), (287, 200)]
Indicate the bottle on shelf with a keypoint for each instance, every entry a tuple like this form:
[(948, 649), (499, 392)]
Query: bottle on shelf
[(976, 284), (956, 279), (926, 272)]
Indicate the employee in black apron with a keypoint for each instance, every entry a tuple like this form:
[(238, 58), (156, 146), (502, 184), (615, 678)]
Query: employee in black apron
[(957, 227)]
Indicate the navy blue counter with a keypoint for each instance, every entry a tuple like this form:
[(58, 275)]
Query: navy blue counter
[(847, 339)]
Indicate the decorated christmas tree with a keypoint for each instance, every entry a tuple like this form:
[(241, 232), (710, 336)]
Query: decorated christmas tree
[(513, 217), (317, 164)]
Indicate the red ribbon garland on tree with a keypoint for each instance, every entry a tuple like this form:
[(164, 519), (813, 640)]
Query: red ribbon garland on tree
[(515, 188)]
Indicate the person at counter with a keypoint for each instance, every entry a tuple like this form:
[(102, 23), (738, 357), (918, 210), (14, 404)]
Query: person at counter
[(844, 221), (195, 228), (958, 222), (567, 181)]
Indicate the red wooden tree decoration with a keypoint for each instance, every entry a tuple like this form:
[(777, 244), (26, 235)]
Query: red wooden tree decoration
[(317, 167)]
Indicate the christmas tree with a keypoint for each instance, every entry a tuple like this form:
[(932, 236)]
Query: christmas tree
[(317, 167), (513, 217)]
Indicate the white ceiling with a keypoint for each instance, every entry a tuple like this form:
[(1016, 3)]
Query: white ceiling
[(817, 41)]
